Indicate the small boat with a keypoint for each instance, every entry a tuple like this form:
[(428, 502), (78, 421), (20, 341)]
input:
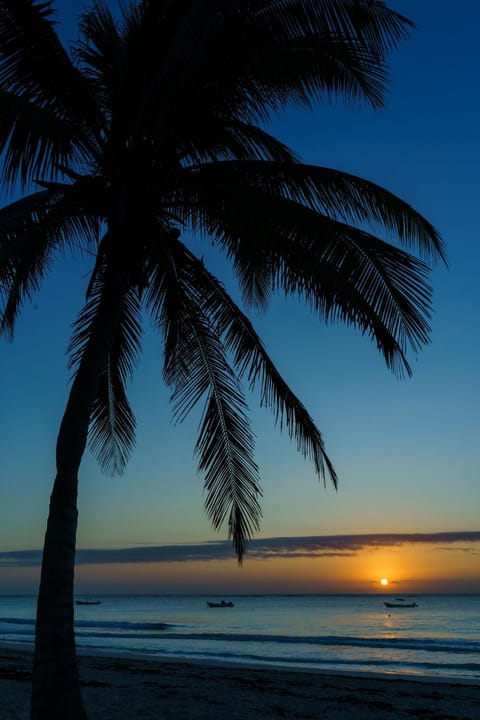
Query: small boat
[(220, 604), (88, 602), (400, 605)]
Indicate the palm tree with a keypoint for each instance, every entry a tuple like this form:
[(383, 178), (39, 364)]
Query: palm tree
[(149, 133)]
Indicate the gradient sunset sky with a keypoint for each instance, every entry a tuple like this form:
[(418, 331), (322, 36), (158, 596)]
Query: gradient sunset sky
[(406, 452)]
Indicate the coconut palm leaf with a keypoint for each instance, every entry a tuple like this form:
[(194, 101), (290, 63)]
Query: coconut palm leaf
[(251, 360), (360, 280), (112, 427), (337, 194), (104, 276), (225, 444), (101, 51), (197, 368), (33, 231), (297, 51), (16, 217), (237, 140), (370, 24), (26, 254), (35, 142), (284, 245), (48, 113)]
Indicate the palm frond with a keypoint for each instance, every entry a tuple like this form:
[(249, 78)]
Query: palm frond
[(163, 293), (330, 264), (126, 348), (34, 141), (328, 47), (49, 116), (75, 218), (112, 423), (255, 143), (17, 216), (252, 361), (337, 194), (369, 23), (225, 443), (33, 231), (196, 367), (298, 52), (112, 426), (26, 253), (344, 273), (17, 287), (101, 52), (353, 277), (213, 138)]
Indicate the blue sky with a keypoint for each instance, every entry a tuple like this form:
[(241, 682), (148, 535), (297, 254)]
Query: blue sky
[(406, 451)]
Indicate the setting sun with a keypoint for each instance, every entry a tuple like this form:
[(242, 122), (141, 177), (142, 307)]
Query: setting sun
[(384, 581)]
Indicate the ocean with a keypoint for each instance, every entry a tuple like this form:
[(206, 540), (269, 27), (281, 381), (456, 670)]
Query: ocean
[(439, 638)]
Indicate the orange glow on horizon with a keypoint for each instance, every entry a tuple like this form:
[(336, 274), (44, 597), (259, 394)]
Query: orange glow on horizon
[(407, 568), (411, 569)]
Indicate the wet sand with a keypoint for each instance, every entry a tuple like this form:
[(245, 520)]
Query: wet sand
[(125, 688)]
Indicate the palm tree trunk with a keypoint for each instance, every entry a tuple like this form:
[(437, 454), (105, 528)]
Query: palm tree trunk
[(55, 681), (56, 691)]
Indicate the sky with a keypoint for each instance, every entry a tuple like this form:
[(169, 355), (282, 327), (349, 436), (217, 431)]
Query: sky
[(406, 451)]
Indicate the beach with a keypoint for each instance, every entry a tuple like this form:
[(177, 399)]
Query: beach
[(123, 688)]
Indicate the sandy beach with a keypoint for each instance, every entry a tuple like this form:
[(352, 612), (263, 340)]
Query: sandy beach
[(124, 688)]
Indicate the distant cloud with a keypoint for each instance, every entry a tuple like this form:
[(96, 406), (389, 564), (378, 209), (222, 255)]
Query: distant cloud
[(266, 548), (351, 545)]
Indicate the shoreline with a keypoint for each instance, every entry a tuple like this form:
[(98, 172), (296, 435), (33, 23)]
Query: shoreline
[(93, 652), (119, 687)]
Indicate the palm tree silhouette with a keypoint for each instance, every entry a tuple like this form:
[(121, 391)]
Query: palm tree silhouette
[(147, 134)]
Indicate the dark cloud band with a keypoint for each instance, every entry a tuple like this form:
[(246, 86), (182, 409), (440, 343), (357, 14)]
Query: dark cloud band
[(266, 548)]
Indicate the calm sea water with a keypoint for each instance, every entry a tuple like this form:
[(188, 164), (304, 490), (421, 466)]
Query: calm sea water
[(439, 638)]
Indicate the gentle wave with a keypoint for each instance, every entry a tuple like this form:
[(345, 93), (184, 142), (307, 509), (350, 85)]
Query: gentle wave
[(134, 626), (150, 631), (408, 643), (379, 663)]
